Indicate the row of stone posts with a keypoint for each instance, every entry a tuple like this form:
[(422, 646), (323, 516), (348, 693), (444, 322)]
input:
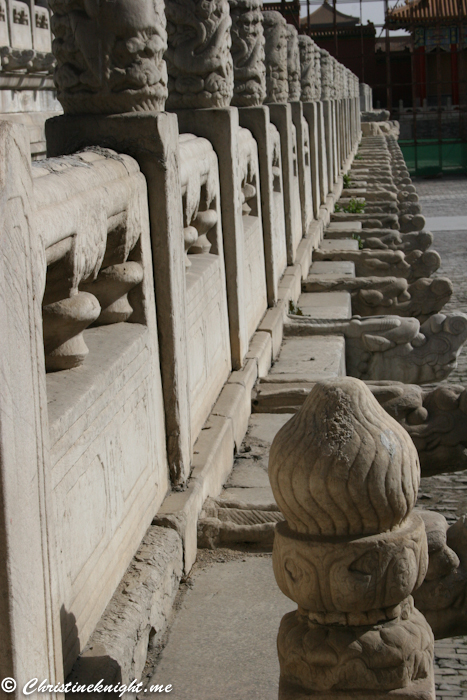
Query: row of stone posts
[(282, 118), (119, 67)]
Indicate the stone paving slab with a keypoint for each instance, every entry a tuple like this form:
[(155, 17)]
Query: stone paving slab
[(331, 270), (223, 640), (443, 223), (326, 305), (330, 244), (309, 359)]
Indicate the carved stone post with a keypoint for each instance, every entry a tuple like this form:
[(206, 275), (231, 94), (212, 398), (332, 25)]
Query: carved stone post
[(277, 95), (198, 55), (110, 56), (308, 96), (248, 53), (326, 97), (249, 94), (300, 133), (350, 552), (275, 34), (111, 79), (293, 64), (307, 68)]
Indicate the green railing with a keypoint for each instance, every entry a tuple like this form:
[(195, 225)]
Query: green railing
[(430, 156)]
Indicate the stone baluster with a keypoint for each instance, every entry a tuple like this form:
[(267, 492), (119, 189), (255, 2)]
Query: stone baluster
[(198, 56), (248, 53), (350, 552), (293, 64)]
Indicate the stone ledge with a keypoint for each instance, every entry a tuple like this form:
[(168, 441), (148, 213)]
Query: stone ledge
[(139, 610), (261, 352)]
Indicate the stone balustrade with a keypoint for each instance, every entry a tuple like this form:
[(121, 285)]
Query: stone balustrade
[(150, 254)]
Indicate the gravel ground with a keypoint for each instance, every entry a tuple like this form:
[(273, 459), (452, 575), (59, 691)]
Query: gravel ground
[(448, 493)]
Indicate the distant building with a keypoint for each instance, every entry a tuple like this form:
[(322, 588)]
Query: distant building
[(435, 24)]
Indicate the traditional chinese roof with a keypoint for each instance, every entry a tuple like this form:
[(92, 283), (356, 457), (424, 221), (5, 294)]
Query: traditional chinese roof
[(323, 18), (418, 12)]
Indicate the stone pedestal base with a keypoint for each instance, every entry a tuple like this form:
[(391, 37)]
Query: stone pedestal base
[(337, 662)]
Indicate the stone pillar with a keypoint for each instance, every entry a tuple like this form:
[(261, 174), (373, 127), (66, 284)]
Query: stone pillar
[(302, 137), (29, 614), (249, 93), (326, 98), (277, 94), (308, 96), (248, 53), (198, 55), (201, 87), (110, 56), (293, 65), (350, 551), (110, 64), (307, 66)]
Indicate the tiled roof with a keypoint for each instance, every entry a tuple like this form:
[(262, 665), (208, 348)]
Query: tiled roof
[(428, 11)]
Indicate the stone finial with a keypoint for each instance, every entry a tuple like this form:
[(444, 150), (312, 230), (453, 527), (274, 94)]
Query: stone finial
[(275, 34), (198, 57), (355, 471), (307, 68), (109, 55), (293, 64), (351, 551), (248, 52)]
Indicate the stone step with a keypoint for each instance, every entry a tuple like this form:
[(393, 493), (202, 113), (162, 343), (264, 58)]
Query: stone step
[(308, 360), (332, 244), (326, 305), (279, 398), (351, 226), (330, 270)]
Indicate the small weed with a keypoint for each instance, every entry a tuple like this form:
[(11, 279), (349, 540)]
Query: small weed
[(355, 206), (294, 309), (346, 179), (358, 238), (358, 157)]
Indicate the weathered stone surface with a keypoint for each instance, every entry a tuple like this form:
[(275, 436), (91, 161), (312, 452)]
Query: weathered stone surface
[(381, 263), (337, 488), (307, 68), (198, 56), (375, 296), (139, 612), (110, 56), (275, 34), (248, 52), (293, 64), (436, 420), (350, 552), (391, 347), (442, 595)]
